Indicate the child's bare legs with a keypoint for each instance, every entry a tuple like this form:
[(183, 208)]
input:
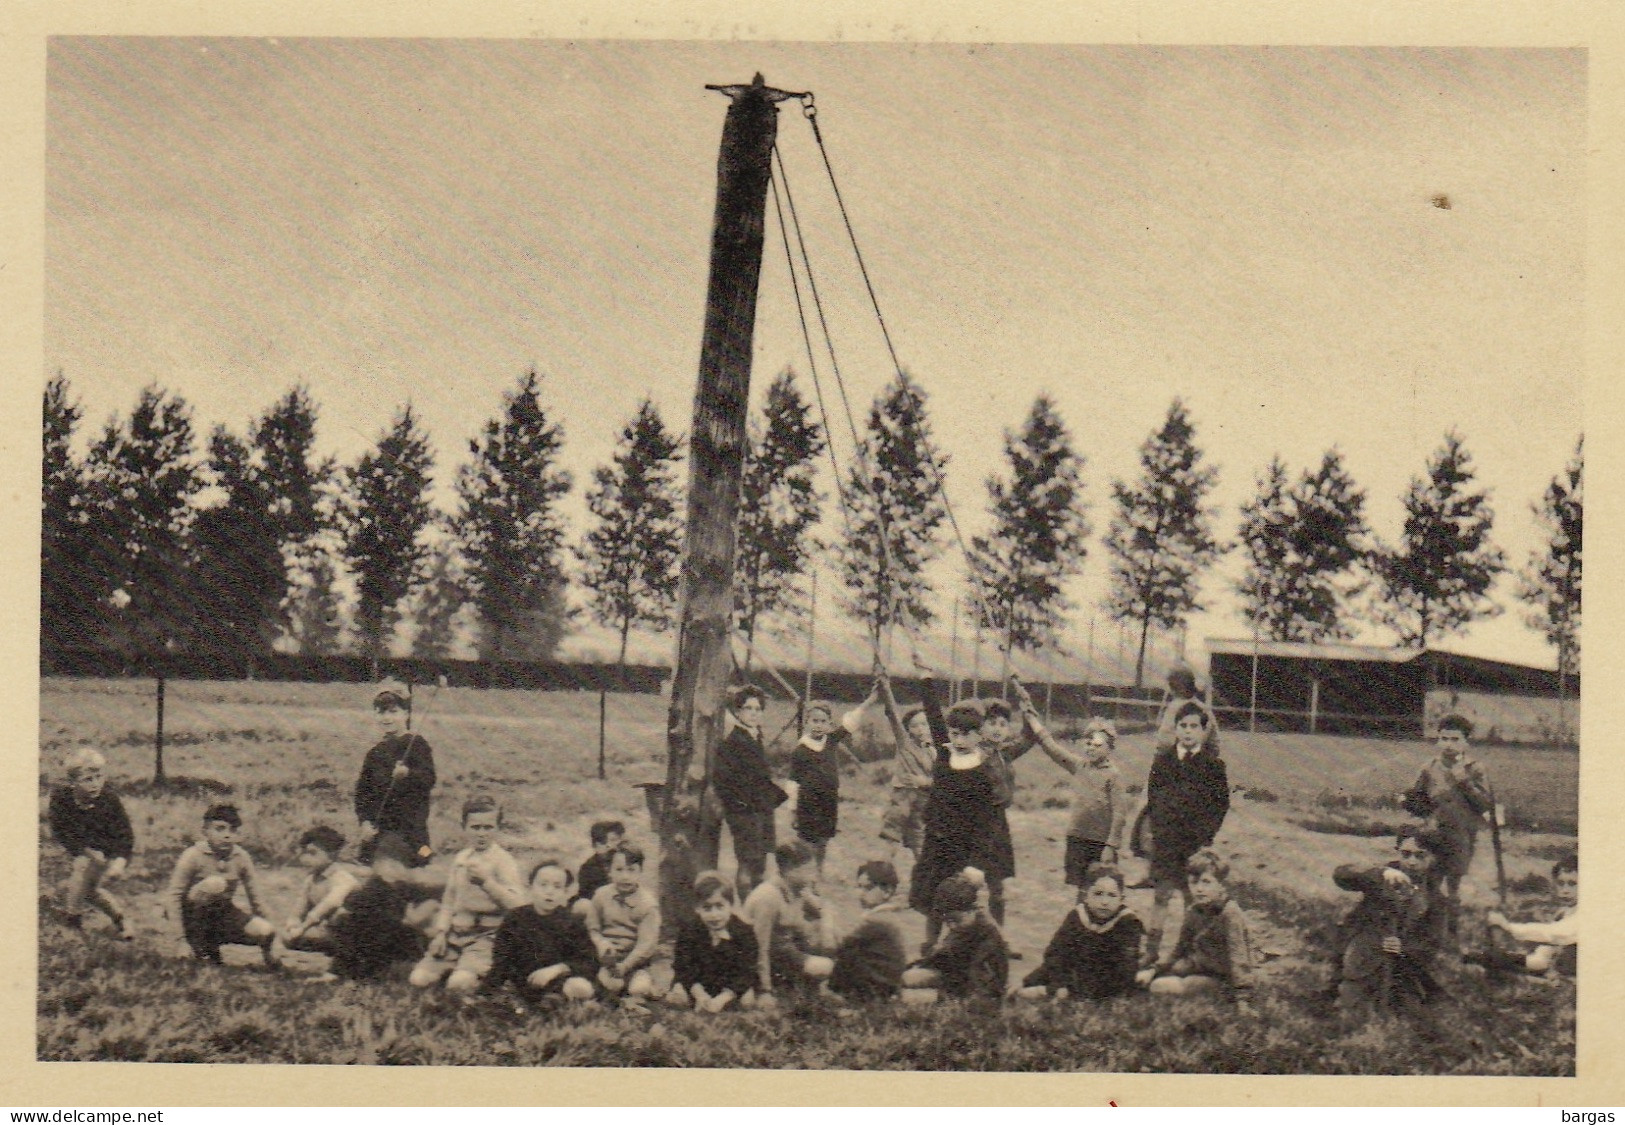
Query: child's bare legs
[(1157, 931), (920, 985), (1186, 986), (84, 886)]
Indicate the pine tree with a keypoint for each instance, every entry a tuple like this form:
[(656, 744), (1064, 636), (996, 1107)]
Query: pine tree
[(247, 544), (778, 509), (385, 513), (317, 621), (1039, 538), (510, 531), (1161, 537), (438, 602), (630, 559), (1303, 544), (1550, 584), (73, 586), (885, 578), (1437, 581), (143, 478)]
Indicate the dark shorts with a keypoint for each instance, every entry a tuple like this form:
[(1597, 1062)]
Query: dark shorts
[(1168, 868), (209, 925), (1080, 853), (753, 839)]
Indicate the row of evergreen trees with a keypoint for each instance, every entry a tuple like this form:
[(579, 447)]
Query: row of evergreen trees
[(261, 543)]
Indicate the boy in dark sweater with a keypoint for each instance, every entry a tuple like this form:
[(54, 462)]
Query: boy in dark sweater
[(1187, 798), (869, 961), (397, 777), (815, 767), (1096, 951), (1395, 931), (969, 960), (715, 960), (543, 948), (90, 823), (1214, 952), (606, 836)]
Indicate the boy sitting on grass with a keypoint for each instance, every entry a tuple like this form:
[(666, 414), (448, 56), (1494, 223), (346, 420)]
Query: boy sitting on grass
[(1096, 951), (969, 959), (1395, 931), (606, 837), (203, 888), (624, 922), (543, 948), (328, 884), (1556, 943), (88, 820), (869, 961), (384, 919), (483, 886), (715, 959), (794, 933), (1214, 951)]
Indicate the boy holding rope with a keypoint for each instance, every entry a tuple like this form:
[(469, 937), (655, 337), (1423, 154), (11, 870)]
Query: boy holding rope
[(397, 776)]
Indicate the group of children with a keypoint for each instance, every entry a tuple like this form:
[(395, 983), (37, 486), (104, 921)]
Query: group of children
[(483, 926)]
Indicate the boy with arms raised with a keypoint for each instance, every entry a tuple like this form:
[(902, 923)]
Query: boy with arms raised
[(203, 888), (88, 820)]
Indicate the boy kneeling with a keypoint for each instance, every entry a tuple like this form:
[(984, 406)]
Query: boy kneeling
[(202, 891)]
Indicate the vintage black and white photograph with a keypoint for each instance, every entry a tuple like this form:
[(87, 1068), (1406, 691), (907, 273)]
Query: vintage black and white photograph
[(892, 556)]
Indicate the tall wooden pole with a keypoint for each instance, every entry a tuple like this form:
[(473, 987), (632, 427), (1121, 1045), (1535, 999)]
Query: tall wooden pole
[(688, 825), (812, 640)]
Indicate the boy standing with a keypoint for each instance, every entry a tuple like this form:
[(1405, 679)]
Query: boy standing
[(815, 767), (202, 891), (903, 824), (1187, 798), (869, 962), (1454, 794), (397, 776), (744, 785), (88, 820), (1001, 747), (1394, 933)]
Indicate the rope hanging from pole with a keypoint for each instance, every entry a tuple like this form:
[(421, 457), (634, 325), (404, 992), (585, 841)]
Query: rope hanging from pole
[(810, 112)]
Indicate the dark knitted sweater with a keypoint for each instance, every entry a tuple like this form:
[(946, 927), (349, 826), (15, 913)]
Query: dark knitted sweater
[(1091, 959), (729, 965), (102, 825), (528, 940)]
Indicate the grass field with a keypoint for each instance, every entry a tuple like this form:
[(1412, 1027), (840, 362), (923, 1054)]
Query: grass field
[(287, 754)]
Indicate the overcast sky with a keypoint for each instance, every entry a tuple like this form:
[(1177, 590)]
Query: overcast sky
[(1253, 230)]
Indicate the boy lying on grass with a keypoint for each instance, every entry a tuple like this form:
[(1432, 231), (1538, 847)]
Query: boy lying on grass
[(1214, 950), (203, 888), (88, 820), (1555, 944)]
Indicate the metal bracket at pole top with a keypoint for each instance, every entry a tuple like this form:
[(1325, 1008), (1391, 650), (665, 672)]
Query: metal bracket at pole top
[(758, 86)]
